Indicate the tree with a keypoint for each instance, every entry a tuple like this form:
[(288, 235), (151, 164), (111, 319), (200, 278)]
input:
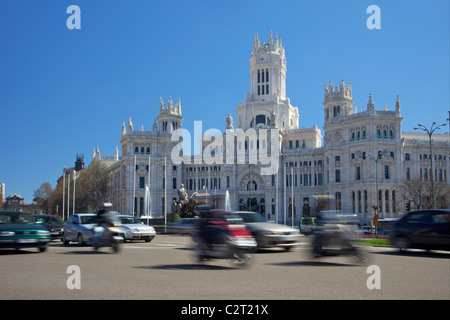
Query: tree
[(418, 194), (42, 197), (92, 186)]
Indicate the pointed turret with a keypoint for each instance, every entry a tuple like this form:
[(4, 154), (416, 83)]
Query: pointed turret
[(370, 105), (397, 105)]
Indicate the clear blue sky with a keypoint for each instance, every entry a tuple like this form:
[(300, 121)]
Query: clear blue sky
[(63, 92)]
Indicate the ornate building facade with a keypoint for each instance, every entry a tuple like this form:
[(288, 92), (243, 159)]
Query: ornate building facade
[(361, 160)]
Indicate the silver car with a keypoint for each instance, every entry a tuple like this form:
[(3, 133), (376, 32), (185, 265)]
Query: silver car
[(136, 230), (268, 234), (79, 228)]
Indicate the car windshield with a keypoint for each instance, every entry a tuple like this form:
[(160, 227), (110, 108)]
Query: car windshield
[(46, 219), (252, 217), (129, 220), (306, 221), (87, 219), (14, 217)]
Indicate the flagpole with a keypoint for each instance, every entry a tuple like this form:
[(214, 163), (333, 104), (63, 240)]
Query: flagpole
[(134, 184), (149, 191), (165, 194), (74, 184), (68, 195), (64, 193)]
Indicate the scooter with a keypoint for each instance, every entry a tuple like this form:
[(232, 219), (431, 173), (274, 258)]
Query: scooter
[(328, 243), (222, 240), (107, 237)]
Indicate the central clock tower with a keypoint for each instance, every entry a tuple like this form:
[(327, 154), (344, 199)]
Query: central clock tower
[(267, 70), (267, 95)]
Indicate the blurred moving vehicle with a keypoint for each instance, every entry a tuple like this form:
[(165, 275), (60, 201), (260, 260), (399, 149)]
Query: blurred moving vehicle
[(185, 226), (18, 231), (108, 232), (385, 226), (333, 235), (135, 229), (307, 224), (268, 234), (222, 235), (79, 228), (52, 223), (423, 229)]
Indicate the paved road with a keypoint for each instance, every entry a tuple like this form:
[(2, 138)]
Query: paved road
[(164, 269)]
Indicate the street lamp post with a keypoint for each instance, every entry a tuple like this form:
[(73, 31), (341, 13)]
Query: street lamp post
[(376, 179), (430, 133)]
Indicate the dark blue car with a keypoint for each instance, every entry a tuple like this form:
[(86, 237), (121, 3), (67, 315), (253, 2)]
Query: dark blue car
[(423, 229)]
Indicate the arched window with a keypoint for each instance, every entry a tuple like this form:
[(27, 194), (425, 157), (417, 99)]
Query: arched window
[(260, 119), (254, 186)]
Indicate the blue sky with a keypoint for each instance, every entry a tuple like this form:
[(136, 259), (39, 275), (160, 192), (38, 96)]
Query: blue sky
[(63, 92)]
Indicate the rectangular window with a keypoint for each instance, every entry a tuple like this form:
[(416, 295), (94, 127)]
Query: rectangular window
[(358, 173), (338, 176), (386, 172)]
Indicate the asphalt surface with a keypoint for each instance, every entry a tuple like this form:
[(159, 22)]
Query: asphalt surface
[(164, 269)]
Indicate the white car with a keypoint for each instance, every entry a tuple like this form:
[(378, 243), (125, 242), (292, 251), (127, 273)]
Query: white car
[(136, 230), (268, 234)]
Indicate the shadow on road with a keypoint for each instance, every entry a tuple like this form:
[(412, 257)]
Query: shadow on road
[(314, 263), (185, 266), (416, 253)]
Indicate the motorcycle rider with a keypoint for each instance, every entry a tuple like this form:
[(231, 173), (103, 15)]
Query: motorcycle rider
[(103, 219), (208, 231)]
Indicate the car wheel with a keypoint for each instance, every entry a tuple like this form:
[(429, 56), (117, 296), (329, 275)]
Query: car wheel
[(402, 244), (80, 240), (64, 240)]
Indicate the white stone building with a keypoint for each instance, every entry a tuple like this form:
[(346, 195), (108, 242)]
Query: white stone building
[(362, 151)]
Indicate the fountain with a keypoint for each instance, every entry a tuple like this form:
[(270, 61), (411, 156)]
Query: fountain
[(227, 201)]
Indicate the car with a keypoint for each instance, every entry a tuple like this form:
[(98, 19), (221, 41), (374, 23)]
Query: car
[(18, 231), (422, 229), (185, 226), (268, 234), (136, 230), (52, 223), (79, 228), (307, 224)]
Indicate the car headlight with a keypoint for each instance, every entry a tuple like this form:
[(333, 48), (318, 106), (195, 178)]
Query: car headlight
[(43, 233), (7, 233)]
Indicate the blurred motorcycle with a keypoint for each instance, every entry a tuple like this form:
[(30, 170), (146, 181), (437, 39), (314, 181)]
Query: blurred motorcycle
[(332, 238), (224, 238), (108, 233), (107, 237)]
